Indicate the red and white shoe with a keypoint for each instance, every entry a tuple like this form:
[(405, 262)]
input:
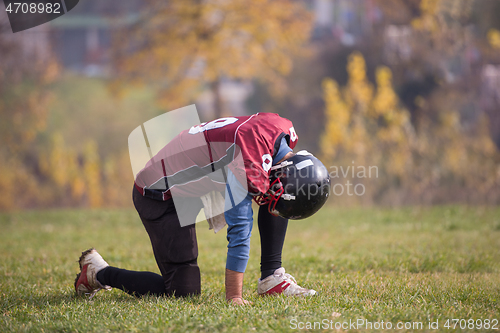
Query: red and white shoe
[(86, 281), (282, 283)]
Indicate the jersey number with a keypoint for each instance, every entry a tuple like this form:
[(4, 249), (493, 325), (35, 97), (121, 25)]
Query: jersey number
[(217, 123), (293, 134)]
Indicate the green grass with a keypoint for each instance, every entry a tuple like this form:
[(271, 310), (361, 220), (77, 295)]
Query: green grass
[(401, 265)]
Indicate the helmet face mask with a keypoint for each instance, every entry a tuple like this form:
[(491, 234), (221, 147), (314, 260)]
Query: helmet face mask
[(299, 187)]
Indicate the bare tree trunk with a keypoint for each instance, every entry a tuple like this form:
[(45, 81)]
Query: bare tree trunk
[(215, 87)]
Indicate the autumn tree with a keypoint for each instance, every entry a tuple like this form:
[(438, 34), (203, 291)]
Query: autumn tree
[(367, 125), (35, 173), (24, 97), (187, 45)]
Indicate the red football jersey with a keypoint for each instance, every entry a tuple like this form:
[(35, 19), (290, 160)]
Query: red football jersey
[(195, 162)]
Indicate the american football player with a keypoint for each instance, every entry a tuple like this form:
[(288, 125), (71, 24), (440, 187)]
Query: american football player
[(229, 161)]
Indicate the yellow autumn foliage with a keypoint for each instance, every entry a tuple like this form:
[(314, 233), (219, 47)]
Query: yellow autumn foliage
[(336, 109), (494, 38), (185, 44), (428, 20), (359, 90), (373, 129), (358, 116)]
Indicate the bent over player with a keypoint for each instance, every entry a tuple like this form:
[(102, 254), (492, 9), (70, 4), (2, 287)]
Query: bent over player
[(228, 162)]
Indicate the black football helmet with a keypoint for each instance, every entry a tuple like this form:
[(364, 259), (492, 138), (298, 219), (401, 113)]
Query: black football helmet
[(300, 186)]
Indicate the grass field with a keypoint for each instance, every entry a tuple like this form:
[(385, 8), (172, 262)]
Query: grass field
[(403, 266)]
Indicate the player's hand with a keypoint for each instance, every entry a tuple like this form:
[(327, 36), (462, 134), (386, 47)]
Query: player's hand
[(239, 301)]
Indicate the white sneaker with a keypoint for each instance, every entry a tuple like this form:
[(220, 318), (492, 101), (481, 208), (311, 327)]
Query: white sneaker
[(282, 283), (86, 281)]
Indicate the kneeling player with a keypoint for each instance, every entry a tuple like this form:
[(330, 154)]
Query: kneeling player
[(243, 158)]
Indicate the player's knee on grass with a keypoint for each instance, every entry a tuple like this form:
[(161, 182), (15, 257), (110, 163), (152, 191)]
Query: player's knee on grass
[(186, 281)]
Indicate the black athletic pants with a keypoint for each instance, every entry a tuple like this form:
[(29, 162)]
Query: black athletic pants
[(176, 249)]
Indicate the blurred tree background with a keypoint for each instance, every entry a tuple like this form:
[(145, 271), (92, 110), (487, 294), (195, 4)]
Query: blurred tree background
[(400, 98), (187, 45)]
